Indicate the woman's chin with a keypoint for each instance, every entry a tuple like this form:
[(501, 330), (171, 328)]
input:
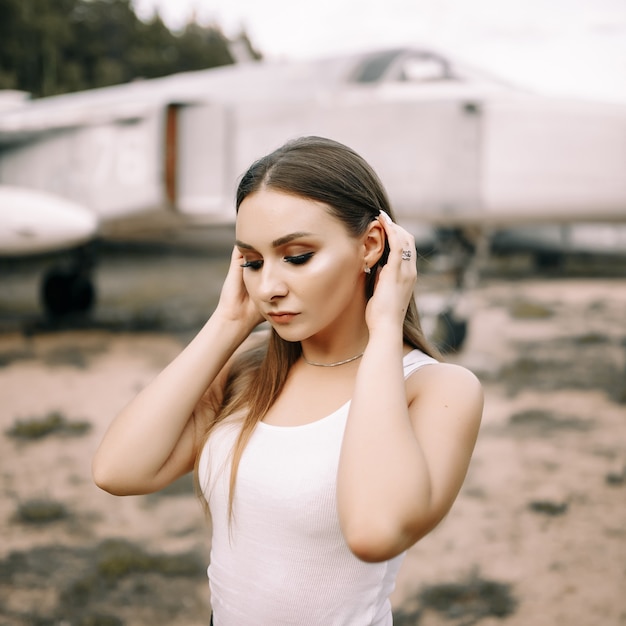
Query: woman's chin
[(287, 334)]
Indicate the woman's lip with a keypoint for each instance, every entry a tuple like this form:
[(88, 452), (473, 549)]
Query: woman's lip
[(282, 316)]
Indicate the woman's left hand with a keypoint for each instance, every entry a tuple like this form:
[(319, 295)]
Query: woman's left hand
[(396, 280)]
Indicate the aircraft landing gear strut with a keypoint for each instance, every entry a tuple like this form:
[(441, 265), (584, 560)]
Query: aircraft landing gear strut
[(468, 252), (450, 330)]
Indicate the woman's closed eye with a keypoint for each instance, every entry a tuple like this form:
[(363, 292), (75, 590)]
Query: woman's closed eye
[(293, 259), (253, 265), (298, 259)]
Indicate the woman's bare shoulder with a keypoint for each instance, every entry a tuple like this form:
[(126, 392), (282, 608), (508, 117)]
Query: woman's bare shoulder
[(445, 382)]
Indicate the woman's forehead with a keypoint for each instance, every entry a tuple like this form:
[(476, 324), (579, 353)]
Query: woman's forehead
[(277, 213)]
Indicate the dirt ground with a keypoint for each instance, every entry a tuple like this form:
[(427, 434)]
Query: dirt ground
[(537, 536)]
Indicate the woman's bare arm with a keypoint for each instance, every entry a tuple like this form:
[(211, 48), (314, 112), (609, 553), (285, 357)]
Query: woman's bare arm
[(406, 446), (403, 460), (153, 440)]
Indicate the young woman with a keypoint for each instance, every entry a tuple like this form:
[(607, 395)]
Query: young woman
[(328, 445)]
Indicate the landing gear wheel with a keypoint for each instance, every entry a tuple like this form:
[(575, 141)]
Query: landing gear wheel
[(67, 290), (450, 332)]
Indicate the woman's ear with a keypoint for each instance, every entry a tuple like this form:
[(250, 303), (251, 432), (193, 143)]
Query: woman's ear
[(373, 243)]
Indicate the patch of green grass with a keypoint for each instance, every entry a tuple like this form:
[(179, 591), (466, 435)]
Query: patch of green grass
[(77, 356), (550, 366), (548, 507), (41, 511), (522, 309), (591, 338), (99, 620), (118, 558), (541, 422), (616, 479), (105, 584), (461, 603), (472, 600), (53, 422), (9, 357)]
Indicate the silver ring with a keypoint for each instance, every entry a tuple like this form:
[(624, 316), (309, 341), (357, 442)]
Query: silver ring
[(406, 255)]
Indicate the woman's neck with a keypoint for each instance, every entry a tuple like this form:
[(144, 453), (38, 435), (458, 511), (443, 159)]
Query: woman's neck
[(336, 353)]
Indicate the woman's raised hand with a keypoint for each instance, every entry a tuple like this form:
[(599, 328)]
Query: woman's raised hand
[(235, 303), (396, 279)]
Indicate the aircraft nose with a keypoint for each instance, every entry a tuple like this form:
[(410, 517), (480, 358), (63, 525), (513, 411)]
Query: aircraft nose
[(41, 222)]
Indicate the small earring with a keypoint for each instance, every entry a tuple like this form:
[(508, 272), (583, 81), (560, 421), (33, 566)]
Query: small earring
[(367, 270)]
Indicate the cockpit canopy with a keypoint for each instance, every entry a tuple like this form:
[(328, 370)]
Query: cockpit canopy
[(402, 65)]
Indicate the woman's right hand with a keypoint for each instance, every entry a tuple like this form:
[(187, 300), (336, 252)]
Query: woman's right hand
[(235, 303)]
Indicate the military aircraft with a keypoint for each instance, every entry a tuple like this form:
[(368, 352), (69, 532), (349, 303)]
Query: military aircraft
[(460, 153)]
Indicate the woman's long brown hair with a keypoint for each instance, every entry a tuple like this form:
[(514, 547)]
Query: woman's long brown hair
[(329, 172)]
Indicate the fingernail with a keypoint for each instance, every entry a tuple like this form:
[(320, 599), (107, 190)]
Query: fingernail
[(386, 217)]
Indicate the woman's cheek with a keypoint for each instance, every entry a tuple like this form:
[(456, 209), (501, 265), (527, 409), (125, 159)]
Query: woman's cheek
[(326, 266), (332, 271), (248, 283)]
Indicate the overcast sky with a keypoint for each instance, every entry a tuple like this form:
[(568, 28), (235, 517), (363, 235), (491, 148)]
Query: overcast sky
[(570, 47)]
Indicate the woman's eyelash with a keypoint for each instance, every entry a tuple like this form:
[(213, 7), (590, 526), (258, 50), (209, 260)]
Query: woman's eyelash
[(254, 265), (298, 259)]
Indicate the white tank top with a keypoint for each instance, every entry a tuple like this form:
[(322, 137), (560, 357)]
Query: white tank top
[(283, 560)]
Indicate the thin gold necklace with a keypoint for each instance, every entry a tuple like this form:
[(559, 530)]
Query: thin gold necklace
[(352, 358)]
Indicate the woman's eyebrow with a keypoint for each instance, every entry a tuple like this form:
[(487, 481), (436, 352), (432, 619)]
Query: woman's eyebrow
[(241, 244), (281, 241)]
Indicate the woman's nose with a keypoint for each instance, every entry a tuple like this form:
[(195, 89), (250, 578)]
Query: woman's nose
[(272, 284)]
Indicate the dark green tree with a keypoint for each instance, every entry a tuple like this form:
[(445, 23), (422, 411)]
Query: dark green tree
[(55, 46), (196, 42), (33, 35)]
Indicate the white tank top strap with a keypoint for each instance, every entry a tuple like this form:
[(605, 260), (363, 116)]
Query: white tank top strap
[(414, 360)]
